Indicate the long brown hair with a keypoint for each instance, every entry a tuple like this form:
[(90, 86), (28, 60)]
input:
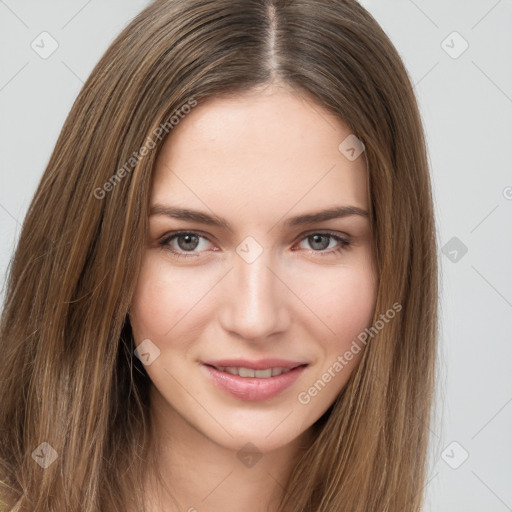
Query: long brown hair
[(68, 375)]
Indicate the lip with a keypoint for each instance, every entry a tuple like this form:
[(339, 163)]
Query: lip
[(261, 364), (254, 388)]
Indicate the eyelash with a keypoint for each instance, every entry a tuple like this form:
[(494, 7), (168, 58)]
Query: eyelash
[(344, 243)]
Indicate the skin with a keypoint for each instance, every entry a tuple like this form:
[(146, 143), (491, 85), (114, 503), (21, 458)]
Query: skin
[(255, 159)]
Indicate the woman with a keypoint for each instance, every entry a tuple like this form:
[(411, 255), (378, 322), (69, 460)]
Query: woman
[(177, 334)]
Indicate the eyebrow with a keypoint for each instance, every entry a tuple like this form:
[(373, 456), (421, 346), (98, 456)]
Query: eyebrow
[(299, 220)]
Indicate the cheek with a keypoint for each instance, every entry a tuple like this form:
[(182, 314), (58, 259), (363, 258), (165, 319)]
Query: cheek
[(351, 304), (162, 298), (345, 306)]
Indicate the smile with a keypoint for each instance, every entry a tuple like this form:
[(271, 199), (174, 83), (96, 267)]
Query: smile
[(250, 372), (250, 384)]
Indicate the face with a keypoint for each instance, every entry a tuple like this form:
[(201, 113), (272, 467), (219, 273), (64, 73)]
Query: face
[(244, 305)]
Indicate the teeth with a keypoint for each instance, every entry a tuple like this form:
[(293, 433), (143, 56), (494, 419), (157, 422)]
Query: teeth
[(246, 372), (263, 374), (249, 372)]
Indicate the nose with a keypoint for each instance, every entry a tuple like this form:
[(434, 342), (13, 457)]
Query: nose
[(255, 299)]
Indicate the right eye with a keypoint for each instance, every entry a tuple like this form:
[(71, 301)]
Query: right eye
[(187, 242)]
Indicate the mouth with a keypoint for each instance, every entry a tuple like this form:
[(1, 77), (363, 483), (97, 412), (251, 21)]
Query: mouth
[(254, 381), (245, 373)]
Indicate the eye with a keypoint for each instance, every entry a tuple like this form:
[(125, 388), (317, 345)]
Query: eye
[(187, 242), (322, 240), (183, 244)]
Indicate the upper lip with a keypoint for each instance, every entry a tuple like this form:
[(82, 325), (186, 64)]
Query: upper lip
[(261, 364)]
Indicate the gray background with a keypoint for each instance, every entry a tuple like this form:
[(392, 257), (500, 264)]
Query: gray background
[(466, 103)]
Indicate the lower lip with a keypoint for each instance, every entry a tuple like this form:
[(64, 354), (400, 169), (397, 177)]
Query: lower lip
[(253, 388)]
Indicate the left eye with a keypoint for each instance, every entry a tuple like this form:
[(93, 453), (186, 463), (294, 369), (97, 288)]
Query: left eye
[(188, 241), (314, 241)]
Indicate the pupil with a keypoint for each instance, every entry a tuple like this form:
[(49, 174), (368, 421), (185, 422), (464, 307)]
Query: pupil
[(316, 237), (188, 239)]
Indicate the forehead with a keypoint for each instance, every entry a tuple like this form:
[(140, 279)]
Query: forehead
[(262, 150)]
